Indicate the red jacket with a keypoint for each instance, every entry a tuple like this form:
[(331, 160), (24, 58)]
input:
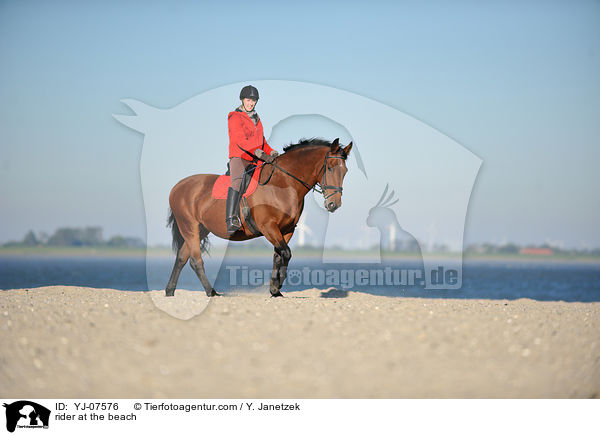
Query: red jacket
[(244, 133)]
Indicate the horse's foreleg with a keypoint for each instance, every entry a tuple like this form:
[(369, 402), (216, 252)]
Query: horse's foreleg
[(285, 258), (276, 282), (281, 257), (183, 254)]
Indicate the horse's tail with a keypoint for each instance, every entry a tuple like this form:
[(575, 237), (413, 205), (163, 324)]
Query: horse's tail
[(178, 239)]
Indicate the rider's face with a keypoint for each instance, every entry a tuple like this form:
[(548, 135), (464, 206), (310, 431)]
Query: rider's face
[(248, 104)]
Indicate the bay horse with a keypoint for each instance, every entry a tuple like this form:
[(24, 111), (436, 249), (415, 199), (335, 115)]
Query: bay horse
[(276, 206)]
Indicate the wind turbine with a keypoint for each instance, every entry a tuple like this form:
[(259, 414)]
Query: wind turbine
[(302, 230)]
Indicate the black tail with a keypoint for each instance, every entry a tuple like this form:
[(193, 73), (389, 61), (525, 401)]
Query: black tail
[(178, 239)]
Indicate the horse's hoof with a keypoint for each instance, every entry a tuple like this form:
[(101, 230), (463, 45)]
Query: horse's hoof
[(213, 293), (169, 293), (277, 295)]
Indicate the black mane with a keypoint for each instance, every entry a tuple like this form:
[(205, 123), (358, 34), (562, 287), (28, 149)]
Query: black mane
[(307, 142), (315, 141)]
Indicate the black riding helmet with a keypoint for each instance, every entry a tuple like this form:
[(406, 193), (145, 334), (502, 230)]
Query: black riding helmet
[(249, 92)]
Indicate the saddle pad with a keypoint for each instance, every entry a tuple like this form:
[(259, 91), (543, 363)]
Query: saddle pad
[(219, 190)]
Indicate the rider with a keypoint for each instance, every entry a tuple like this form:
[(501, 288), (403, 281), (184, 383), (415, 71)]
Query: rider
[(246, 139)]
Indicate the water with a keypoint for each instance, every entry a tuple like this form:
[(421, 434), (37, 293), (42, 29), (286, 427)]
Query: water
[(544, 281)]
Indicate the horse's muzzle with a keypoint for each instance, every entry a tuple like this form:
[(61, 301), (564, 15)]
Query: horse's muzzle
[(331, 206)]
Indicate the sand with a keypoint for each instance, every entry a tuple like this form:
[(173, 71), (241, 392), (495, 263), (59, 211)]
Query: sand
[(60, 342)]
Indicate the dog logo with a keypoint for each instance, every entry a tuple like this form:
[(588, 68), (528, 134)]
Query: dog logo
[(26, 414)]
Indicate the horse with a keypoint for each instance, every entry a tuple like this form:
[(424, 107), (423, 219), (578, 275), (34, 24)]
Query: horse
[(276, 206)]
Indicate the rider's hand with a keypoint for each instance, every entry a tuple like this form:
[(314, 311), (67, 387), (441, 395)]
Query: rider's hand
[(264, 156)]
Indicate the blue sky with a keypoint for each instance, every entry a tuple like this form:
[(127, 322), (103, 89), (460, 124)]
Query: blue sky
[(516, 83)]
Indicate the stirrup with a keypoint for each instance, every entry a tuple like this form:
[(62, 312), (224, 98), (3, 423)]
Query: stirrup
[(234, 223)]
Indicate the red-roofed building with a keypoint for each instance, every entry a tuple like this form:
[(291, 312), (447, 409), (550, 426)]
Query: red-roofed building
[(536, 251)]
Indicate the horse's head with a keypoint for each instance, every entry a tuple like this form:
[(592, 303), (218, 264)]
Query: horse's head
[(334, 171)]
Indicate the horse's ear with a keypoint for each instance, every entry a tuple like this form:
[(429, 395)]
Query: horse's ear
[(144, 114), (348, 148), (335, 145)]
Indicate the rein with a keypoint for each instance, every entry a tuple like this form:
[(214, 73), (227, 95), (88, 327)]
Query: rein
[(323, 184)]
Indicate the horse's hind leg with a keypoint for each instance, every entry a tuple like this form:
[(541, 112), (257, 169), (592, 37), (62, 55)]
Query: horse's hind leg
[(182, 257), (198, 264), (193, 233)]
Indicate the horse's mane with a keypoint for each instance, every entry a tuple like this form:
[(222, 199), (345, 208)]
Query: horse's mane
[(315, 141), (307, 142)]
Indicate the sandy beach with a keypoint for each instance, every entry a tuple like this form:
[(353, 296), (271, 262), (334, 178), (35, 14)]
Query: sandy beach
[(101, 343)]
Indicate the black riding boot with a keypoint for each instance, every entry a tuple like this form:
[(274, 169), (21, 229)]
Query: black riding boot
[(232, 209)]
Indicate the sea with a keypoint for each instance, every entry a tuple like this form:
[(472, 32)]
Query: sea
[(481, 279)]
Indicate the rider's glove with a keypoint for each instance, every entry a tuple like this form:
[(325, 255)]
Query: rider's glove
[(264, 156)]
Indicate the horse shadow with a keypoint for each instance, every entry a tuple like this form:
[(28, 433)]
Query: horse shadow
[(334, 293)]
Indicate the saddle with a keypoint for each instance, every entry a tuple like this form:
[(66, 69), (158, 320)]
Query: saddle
[(247, 187)]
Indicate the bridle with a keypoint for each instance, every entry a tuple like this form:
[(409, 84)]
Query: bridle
[(322, 185)]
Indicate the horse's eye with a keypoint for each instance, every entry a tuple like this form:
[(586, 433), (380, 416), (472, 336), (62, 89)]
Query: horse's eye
[(329, 169)]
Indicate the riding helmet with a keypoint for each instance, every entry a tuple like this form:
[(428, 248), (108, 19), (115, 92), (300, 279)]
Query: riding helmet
[(249, 92)]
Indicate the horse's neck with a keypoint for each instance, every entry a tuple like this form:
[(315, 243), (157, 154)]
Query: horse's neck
[(305, 163)]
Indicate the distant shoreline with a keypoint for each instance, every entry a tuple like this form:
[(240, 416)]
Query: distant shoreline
[(102, 251)]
